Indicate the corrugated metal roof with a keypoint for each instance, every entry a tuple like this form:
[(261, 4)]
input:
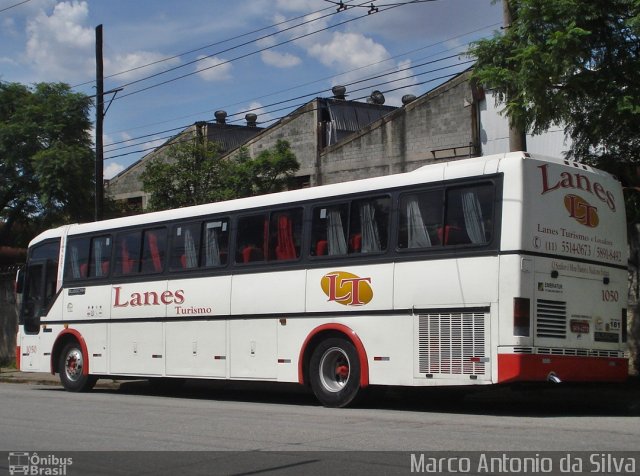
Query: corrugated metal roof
[(347, 117), (230, 136)]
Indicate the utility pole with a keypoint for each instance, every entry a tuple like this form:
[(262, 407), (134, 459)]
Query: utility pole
[(517, 136), (99, 168)]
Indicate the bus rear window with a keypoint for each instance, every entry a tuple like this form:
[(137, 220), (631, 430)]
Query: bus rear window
[(457, 216), (469, 217)]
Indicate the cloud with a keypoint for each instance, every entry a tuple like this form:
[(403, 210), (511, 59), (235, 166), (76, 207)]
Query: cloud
[(214, 69), (297, 5), (349, 50), (112, 169), (276, 58), (134, 61), (9, 26), (280, 60), (60, 46), (402, 79)]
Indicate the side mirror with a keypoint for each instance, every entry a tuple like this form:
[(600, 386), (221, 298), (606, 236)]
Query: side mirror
[(19, 284)]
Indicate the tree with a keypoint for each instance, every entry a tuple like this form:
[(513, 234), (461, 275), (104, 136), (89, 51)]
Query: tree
[(571, 62), (46, 159), (193, 172), (576, 63)]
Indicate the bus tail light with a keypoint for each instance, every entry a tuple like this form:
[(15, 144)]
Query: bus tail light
[(18, 357), (521, 317), (623, 331)]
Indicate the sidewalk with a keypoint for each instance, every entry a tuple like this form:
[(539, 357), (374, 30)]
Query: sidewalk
[(8, 375)]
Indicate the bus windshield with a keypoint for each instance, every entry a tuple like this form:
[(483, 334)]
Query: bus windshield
[(40, 284)]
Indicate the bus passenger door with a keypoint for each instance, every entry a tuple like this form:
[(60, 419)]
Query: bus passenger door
[(89, 310), (38, 299)]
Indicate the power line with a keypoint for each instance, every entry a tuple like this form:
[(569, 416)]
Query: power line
[(187, 139), (221, 52), (314, 93), (256, 51), (348, 5), (13, 6), (298, 105), (178, 55), (321, 79), (145, 78)]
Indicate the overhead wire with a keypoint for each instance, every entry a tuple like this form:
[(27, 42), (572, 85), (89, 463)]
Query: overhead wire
[(185, 53), (231, 48), (251, 53), (310, 94), (188, 139), (299, 97), (337, 75), (13, 6), (298, 105)]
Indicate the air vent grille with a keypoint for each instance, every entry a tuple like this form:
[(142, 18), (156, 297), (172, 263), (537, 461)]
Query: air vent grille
[(452, 343), (551, 319)]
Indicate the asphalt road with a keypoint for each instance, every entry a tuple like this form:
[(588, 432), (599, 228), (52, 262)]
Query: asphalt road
[(206, 416)]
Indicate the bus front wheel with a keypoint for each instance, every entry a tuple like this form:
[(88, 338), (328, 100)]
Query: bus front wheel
[(334, 372), (71, 366)]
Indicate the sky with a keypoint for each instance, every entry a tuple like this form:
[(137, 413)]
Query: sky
[(177, 62)]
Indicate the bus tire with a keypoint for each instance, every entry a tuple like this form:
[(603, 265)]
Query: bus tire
[(71, 366), (334, 372)]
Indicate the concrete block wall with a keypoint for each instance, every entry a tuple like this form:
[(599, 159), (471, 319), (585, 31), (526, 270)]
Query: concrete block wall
[(300, 129), (437, 126)]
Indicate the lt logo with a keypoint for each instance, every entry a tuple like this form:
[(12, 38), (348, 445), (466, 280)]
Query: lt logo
[(346, 288), (580, 210)]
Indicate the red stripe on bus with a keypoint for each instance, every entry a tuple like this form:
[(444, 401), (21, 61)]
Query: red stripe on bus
[(355, 340), (568, 368), (18, 357)]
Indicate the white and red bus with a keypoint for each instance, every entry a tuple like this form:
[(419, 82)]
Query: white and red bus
[(495, 269)]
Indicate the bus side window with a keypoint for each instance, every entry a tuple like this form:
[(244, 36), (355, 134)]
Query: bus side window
[(329, 230), (77, 259), (285, 235), (369, 225), (128, 253), (185, 246), (420, 219), (252, 239), (100, 257), (153, 250), (469, 215), (215, 245)]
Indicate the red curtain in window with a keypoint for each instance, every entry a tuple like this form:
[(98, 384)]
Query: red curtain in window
[(155, 252), (285, 248)]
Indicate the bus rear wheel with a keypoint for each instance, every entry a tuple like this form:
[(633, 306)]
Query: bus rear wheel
[(334, 372), (71, 367)]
